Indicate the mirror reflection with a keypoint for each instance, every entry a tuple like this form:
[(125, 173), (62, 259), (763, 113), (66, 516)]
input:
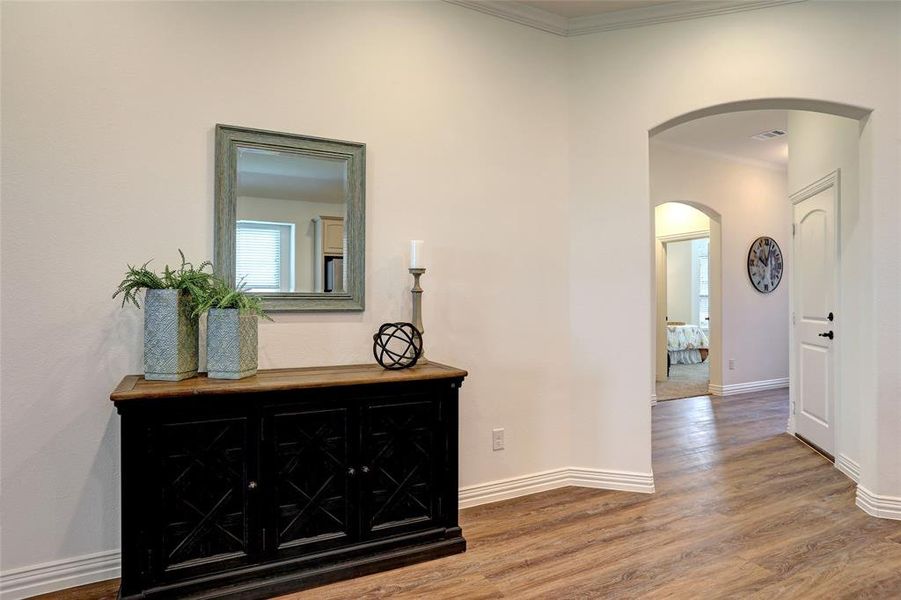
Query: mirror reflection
[(290, 221)]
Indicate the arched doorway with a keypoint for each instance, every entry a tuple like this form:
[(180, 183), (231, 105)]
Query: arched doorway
[(693, 314), (853, 323)]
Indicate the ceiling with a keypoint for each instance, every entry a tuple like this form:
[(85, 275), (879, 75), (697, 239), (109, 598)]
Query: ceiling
[(586, 8), (270, 174), (730, 135)]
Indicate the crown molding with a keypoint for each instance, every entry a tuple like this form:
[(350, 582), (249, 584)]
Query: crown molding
[(610, 21), (664, 13), (519, 13)]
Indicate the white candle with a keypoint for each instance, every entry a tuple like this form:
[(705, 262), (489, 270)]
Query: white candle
[(415, 254)]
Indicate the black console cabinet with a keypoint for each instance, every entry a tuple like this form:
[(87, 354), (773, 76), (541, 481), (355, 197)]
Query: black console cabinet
[(289, 479)]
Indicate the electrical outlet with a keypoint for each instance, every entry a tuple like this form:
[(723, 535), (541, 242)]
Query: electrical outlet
[(497, 438), (731, 364)]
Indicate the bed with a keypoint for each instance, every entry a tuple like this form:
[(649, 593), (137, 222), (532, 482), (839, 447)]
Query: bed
[(686, 344)]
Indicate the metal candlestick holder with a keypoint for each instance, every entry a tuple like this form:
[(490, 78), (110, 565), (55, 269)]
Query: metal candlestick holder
[(417, 308)]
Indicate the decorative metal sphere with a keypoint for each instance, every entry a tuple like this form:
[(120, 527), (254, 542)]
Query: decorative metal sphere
[(397, 345)]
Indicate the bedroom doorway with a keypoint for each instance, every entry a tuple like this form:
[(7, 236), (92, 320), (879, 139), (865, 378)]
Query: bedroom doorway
[(684, 301)]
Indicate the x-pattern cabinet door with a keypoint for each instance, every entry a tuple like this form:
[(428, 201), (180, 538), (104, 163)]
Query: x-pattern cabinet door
[(309, 493), (401, 452), (199, 494)]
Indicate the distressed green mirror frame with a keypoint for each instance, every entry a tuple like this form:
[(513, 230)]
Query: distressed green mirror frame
[(228, 140)]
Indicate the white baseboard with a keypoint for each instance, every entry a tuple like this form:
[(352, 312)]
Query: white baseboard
[(504, 489), (623, 481), (884, 507), (24, 582), (848, 467), (749, 386), (653, 399)]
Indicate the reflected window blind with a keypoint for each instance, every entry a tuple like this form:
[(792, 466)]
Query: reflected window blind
[(258, 256)]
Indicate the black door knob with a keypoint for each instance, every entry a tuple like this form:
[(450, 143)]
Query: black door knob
[(828, 334)]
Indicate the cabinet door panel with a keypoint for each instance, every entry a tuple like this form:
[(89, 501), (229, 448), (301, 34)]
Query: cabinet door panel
[(333, 238), (311, 486), (201, 469), (400, 448)]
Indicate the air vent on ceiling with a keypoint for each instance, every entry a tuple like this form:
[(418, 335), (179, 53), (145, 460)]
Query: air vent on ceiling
[(768, 135)]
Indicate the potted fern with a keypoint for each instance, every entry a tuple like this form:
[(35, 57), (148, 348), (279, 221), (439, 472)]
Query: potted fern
[(170, 320), (231, 331)]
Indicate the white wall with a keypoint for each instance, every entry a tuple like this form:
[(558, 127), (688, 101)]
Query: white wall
[(107, 150), (659, 320), (679, 282), (677, 219), (698, 248), (751, 201), (301, 213), (819, 145), (475, 127), (625, 83)]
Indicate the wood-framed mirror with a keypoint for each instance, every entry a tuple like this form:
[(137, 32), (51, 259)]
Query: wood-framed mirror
[(290, 218)]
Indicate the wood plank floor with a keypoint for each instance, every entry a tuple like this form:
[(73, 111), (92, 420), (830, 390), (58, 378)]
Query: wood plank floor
[(742, 510)]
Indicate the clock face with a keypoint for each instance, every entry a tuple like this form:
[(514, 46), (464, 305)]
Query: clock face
[(765, 264)]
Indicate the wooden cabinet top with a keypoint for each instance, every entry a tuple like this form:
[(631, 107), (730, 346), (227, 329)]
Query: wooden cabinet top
[(135, 387)]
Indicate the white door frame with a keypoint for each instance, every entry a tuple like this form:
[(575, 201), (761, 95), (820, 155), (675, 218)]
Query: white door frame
[(833, 181), (684, 237), (663, 243)]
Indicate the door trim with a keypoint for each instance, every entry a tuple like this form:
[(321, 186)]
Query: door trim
[(684, 237), (832, 180)]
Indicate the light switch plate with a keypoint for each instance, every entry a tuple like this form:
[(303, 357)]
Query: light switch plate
[(497, 438)]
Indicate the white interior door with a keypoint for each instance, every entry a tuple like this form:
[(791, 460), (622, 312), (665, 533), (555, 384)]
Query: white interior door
[(815, 331)]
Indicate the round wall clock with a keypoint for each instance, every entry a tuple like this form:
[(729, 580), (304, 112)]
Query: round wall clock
[(765, 264)]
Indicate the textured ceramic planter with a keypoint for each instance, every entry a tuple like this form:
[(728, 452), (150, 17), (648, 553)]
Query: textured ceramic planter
[(170, 336), (231, 344)]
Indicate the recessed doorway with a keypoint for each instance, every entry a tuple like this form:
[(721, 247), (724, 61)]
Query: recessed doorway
[(794, 332), (684, 294), (732, 170)]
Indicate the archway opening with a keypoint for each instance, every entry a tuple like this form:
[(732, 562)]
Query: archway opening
[(763, 346), (687, 247)]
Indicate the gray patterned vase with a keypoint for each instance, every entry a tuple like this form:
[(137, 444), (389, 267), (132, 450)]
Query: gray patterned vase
[(170, 336), (231, 344)]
